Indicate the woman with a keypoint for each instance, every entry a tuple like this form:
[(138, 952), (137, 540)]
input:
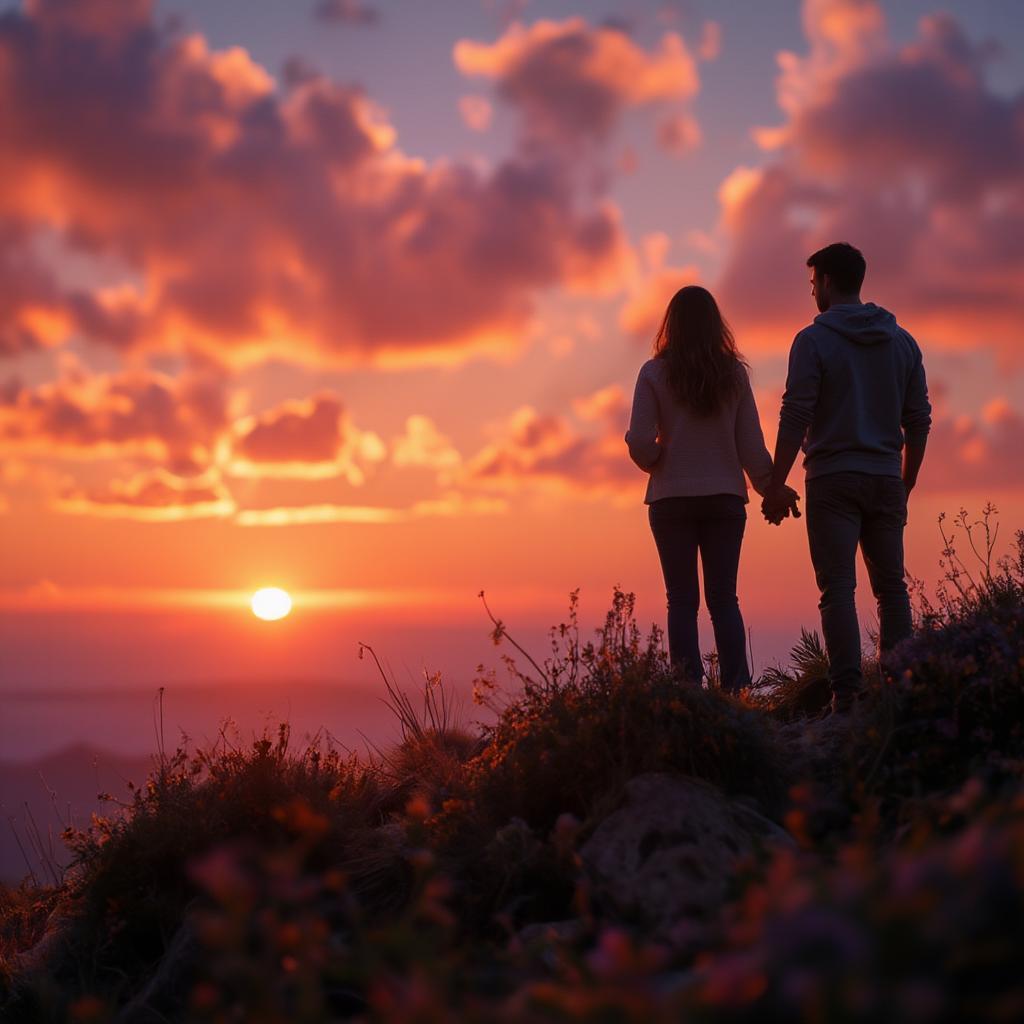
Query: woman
[(694, 427)]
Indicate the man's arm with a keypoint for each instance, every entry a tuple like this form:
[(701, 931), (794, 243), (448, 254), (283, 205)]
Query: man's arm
[(803, 385), (780, 499), (787, 448), (916, 420)]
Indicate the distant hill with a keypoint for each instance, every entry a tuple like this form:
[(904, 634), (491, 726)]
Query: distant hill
[(351, 715), (75, 775)]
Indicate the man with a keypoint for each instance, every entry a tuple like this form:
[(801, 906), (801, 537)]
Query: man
[(856, 401)]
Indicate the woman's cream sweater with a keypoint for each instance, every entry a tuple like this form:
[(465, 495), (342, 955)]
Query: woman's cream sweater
[(687, 454)]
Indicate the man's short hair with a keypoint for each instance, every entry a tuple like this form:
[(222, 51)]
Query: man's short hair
[(844, 265)]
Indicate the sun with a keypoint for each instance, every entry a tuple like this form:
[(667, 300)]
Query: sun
[(271, 603)]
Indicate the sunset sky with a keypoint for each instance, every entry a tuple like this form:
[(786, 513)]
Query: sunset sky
[(349, 297)]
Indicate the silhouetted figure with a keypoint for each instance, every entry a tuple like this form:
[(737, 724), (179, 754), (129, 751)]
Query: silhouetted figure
[(694, 427), (857, 402)]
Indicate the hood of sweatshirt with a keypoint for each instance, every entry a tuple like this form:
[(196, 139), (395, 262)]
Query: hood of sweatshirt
[(866, 324)]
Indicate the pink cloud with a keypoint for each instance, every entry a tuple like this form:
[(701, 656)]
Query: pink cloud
[(607, 405), (649, 291), (572, 81), (310, 438), (975, 453), (30, 300), (422, 445), (114, 18), (904, 151), (476, 112), (152, 496), (547, 453), (262, 218), (710, 45), (346, 12), (644, 309), (135, 413), (679, 133), (450, 503)]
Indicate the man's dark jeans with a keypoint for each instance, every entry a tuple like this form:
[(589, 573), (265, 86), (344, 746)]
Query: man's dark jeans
[(844, 510), (712, 524)]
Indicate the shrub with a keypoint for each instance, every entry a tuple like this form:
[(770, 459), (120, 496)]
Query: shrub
[(801, 690), (132, 877), (952, 703), (602, 713), (927, 931), (429, 760)]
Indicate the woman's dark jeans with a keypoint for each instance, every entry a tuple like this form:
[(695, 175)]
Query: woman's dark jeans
[(712, 524)]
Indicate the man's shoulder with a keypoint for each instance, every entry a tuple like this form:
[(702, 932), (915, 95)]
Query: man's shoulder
[(908, 339), (807, 337)]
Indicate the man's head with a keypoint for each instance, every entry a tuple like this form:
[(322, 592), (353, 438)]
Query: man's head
[(837, 272)]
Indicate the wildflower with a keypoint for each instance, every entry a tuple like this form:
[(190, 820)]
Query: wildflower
[(87, 1009)]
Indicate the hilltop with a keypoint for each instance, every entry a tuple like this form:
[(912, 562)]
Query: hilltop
[(619, 845)]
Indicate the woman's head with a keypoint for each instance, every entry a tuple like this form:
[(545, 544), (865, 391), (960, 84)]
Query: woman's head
[(699, 350)]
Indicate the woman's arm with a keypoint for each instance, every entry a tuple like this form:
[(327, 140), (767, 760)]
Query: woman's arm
[(750, 446), (642, 435)]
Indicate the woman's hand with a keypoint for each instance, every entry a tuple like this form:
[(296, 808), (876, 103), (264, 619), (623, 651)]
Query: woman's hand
[(779, 503)]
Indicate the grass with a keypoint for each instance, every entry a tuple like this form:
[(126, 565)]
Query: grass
[(308, 885)]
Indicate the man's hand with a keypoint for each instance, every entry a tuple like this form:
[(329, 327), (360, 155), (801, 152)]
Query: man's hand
[(780, 501), (913, 456)]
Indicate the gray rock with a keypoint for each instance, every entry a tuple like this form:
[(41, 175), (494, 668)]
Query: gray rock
[(664, 859), (164, 994), (47, 952)]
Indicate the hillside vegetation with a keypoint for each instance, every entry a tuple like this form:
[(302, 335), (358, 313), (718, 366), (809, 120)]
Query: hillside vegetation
[(452, 878)]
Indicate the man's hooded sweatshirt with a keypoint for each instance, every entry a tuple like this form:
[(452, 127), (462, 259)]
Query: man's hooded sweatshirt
[(855, 392)]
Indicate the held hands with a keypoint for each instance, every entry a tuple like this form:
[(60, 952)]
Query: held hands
[(779, 503)]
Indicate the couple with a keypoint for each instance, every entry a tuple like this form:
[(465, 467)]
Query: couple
[(856, 402)]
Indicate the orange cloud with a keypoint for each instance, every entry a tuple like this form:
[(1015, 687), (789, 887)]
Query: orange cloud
[(422, 445), (448, 504), (257, 219), (311, 438), (547, 453), (606, 404), (973, 453), (679, 133), (31, 316), (710, 45), (151, 496), (139, 413), (907, 153), (476, 112), (571, 81), (649, 293), (643, 311), (346, 12)]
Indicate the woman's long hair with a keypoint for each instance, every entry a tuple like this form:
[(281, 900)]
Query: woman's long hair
[(699, 350)]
